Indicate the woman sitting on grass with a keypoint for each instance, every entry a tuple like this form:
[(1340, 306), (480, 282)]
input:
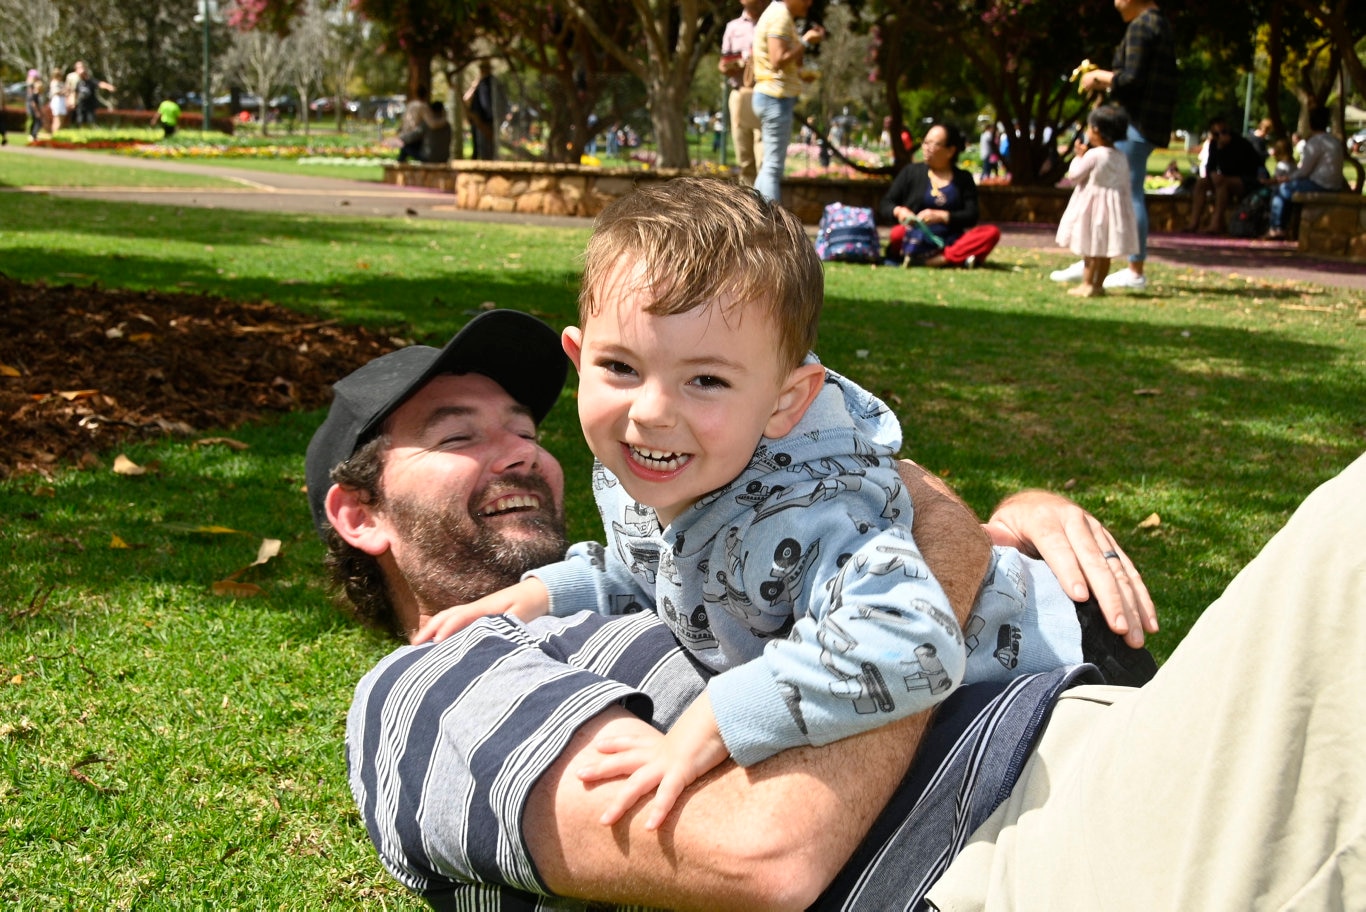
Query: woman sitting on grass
[(934, 203)]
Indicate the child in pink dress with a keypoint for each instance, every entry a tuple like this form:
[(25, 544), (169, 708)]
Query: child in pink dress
[(1099, 221)]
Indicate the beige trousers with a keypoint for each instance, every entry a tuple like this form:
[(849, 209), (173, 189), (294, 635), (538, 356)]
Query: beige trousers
[(744, 131), (1235, 780)]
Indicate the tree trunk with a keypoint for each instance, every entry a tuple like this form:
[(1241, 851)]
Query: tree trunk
[(1275, 52), (891, 39), (669, 117), (419, 70)]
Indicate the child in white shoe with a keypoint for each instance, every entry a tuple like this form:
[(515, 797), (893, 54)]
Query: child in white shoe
[(1099, 221)]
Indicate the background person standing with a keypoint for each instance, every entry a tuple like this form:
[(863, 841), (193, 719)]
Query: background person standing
[(1142, 81), (737, 51), (85, 94), (778, 53), (167, 115)]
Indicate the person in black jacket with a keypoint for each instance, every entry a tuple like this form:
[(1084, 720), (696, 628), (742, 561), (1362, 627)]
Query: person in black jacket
[(934, 203), (1233, 171)]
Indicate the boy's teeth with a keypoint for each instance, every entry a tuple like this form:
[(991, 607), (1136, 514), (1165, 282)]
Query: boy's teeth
[(665, 460)]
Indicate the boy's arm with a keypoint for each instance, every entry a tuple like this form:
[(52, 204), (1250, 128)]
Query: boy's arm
[(868, 634), (591, 578)]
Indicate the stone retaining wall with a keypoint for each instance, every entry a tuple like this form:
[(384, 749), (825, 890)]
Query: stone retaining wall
[(1334, 225)]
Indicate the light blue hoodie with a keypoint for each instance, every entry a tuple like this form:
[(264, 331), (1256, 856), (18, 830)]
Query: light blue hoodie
[(799, 582)]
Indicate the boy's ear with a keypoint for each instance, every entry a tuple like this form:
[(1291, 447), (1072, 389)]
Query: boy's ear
[(799, 391), (356, 521), (571, 340)]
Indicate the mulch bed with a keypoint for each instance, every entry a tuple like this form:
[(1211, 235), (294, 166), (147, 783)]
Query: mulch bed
[(83, 369)]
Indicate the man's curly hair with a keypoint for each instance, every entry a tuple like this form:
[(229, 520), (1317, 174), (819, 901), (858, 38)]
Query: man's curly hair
[(355, 574)]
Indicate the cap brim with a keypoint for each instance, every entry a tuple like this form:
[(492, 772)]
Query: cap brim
[(519, 352)]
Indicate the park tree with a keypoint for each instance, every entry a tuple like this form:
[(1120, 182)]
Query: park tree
[(571, 68), (27, 29), (1020, 53), (309, 45), (671, 39), (1344, 23), (261, 59), (846, 60)]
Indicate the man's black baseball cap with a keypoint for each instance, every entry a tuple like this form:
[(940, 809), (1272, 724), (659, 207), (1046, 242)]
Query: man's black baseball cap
[(516, 350)]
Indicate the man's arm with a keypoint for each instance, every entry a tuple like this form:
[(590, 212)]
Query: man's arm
[(772, 836), (948, 535), (1075, 546)]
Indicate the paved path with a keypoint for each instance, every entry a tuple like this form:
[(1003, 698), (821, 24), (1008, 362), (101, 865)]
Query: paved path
[(274, 192)]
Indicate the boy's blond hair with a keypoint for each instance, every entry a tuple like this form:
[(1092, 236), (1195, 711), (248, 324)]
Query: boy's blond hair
[(699, 239)]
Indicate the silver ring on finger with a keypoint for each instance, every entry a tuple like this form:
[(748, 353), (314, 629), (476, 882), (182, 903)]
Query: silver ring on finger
[(1111, 555)]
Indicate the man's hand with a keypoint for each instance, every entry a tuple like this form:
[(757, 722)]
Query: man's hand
[(1075, 546), (525, 600), (664, 764)]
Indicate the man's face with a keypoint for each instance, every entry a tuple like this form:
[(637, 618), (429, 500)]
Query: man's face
[(1220, 133), (472, 500)]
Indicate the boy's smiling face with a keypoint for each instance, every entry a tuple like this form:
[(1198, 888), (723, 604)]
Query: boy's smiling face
[(675, 405)]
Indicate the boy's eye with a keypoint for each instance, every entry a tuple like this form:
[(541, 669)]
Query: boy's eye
[(708, 381), (620, 368)]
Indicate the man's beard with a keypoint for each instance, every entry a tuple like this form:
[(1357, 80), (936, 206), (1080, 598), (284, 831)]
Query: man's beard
[(453, 558)]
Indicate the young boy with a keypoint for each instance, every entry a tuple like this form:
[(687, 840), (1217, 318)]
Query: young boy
[(751, 498)]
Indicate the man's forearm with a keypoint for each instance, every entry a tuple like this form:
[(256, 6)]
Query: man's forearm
[(768, 837), (949, 537)]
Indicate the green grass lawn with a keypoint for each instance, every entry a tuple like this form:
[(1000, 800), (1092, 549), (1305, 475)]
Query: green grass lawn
[(313, 166), (33, 171), (166, 747)]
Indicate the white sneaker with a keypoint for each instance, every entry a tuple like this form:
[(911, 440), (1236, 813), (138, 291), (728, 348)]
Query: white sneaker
[(1073, 273), (1126, 278)]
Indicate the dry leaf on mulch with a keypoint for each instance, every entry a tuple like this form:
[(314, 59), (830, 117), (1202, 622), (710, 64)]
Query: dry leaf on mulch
[(86, 368)]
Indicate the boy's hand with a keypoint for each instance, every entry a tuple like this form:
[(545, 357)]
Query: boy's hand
[(665, 764), (525, 600)]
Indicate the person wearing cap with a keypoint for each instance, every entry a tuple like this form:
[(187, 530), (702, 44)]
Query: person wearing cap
[(459, 421), (427, 483), (1225, 783)]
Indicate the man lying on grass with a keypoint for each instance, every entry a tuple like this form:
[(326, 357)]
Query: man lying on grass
[(427, 482)]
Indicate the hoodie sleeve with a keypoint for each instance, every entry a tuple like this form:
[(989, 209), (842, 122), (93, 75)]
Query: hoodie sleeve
[(613, 579), (873, 639), (591, 579)]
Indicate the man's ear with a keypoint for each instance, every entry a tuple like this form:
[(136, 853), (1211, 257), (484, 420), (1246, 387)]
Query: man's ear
[(356, 521), (571, 340), (800, 389)]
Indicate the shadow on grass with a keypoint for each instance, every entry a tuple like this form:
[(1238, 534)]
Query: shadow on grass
[(439, 273), (1220, 431)]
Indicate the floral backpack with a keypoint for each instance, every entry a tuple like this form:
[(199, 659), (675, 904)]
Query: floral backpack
[(848, 234)]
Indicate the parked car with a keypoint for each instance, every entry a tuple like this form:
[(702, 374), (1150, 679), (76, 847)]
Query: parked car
[(245, 102), (16, 90), (328, 105), (383, 108)]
